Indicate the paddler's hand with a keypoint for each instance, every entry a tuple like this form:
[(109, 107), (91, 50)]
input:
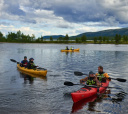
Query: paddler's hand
[(81, 81), (99, 84), (109, 79)]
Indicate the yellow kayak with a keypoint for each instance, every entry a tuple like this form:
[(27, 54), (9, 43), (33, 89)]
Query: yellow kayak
[(70, 50), (32, 71), (33, 75)]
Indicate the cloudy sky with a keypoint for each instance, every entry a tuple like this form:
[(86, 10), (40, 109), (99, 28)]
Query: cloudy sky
[(61, 17)]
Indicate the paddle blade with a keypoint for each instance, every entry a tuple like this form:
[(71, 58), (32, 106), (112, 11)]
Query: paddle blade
[(13, 60), (68, 83), (121, 80), (78, 73)]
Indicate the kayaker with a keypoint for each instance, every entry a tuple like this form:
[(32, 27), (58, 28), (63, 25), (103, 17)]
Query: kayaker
[(66, 48), (101, 75), (24, 62), (31, 64), (91, 79)]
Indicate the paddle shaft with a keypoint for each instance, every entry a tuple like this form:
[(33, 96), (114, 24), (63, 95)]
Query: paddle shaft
[(67, 83), (118, 79)]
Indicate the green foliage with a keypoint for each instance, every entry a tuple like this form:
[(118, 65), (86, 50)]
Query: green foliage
[(117, 38), (51, 39), (83, 38), (104, 39), (20, 37), (95, 40), (2, 38), (125, 38), (66, 37), (60, 39), (100, 39), (1, 35)]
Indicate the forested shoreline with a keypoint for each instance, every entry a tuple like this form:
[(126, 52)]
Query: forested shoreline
[(19, 37)]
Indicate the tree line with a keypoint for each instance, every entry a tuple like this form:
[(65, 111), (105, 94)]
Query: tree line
[(20, 37)]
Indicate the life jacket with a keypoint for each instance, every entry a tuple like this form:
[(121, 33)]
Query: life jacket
[(32, 64), (66, 48), (90, 81), (24, 62), (101, 77)]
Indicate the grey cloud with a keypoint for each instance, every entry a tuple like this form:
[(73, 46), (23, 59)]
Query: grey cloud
[(59, 25), (76, 11), (13, 7), (4, 23)]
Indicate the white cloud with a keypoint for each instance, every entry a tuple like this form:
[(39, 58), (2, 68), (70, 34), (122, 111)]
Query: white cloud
[(25, 30)]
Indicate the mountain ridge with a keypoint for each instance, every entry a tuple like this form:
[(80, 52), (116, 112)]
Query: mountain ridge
[(107, 33)]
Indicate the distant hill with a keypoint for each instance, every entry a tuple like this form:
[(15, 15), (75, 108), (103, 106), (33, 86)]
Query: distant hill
[(108, 33), (90, 35)]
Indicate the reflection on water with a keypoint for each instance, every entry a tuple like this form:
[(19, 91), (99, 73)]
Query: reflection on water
[(118, 97), (27, 78), (31, 77)]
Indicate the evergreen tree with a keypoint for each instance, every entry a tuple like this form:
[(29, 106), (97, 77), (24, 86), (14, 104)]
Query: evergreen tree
[(95, 39), (117, 38), (51, 39), (67, 37), (83, 38), (104, 39), (100, 39)]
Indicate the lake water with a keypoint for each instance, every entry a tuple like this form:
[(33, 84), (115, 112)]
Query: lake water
[(20, 93)]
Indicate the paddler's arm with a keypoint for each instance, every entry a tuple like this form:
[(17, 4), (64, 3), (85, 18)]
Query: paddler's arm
[(97, 82), (107, 77), (83, 80)]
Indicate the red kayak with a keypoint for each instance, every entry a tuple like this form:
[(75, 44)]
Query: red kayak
[(79, 105), (88, 92)]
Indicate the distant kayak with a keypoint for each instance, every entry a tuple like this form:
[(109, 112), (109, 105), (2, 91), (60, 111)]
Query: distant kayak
[(32, 71), (88, 92), (70, 50)]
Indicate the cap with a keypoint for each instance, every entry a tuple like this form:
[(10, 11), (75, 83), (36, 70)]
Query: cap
[(91, 72), (31, 59), (25, 56)]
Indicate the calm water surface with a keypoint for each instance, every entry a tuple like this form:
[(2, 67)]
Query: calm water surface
[(21, 93)]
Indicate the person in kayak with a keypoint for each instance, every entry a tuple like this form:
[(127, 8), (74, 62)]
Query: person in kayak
[(101, 75), (24, 62), (66, 48), (72, 48), (31, 64), (91, 79)]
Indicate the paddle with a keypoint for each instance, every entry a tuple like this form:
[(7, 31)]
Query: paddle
[(79, 73), (118, 79), (35, 66), (14, 61), (70, 83), (67, 83)]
